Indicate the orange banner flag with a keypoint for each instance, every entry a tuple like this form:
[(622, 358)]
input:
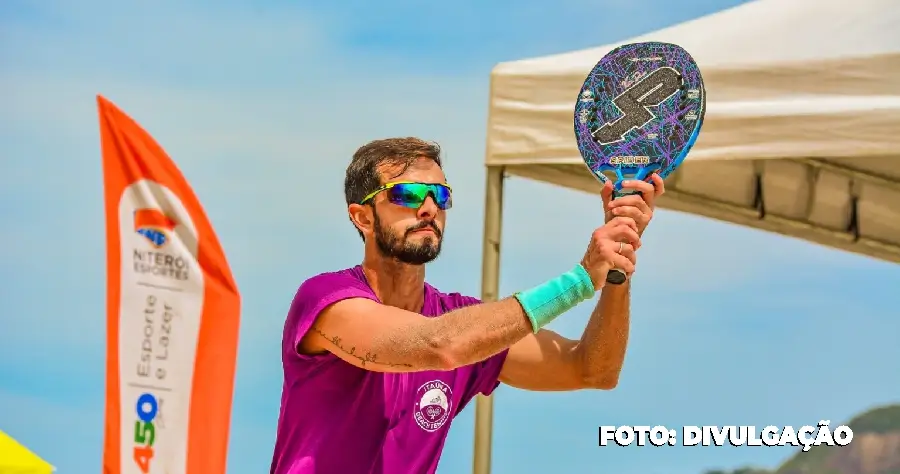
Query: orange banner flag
[(173, 313)]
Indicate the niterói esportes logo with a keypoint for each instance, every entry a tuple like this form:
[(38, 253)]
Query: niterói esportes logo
[(154, 225), (163, 259)]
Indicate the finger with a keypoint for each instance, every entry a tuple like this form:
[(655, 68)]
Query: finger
[(625, 234), (638, 185), (659, 185), (640, 217), (646, 190), (632, 200), (624, 221), (606, 194), (628, 252), (623, 263)]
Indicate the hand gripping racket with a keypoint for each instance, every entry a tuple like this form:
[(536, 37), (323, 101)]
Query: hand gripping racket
[(639, 111)]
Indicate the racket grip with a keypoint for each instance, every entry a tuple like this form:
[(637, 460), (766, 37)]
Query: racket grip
[(616, 277)]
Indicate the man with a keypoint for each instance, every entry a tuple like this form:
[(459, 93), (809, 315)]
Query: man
[(377, 363)]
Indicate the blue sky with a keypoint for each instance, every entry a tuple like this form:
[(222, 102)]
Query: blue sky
[(261, 104)]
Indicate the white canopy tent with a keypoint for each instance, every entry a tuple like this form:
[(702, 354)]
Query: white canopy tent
[(802, 131)]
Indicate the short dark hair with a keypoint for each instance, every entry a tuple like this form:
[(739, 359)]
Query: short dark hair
[(362, 175)]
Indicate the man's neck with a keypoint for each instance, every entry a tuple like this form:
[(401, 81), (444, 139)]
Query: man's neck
[(396, 284)]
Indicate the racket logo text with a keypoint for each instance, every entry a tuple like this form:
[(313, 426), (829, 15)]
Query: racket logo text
[(630, 160), (635, 103)]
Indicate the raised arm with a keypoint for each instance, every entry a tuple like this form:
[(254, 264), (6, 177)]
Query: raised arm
[(547, 361)]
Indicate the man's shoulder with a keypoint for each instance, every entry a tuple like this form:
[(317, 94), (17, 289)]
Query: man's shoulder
[(330, 282), (352, 274)]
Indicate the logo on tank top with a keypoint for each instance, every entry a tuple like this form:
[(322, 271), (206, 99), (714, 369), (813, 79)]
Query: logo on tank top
[(433, 403)]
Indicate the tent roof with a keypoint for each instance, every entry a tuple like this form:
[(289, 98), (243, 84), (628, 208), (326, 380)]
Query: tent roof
[(802, 130)]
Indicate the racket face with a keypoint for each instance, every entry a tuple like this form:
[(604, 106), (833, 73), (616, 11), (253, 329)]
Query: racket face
[(639, 111)]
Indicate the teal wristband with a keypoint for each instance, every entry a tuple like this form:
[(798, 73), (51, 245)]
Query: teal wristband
[(545, 302)]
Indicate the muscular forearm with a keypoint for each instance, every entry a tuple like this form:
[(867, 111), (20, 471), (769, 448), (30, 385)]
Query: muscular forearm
[(461, 337), (602, 347)]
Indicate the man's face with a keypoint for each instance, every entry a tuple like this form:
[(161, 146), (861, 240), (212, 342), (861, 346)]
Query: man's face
[(412, 236)]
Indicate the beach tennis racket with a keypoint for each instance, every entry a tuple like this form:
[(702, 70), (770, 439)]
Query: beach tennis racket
[(639, 112)]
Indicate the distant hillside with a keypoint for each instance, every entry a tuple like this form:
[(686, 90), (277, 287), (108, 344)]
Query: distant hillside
[(875, 450)]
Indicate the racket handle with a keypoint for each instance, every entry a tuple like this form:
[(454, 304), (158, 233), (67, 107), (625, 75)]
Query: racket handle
[(616, 277)]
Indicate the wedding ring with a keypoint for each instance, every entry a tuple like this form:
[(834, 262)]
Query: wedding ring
[(621, 247)]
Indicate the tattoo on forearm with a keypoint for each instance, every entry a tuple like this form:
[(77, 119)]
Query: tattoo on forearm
[(367, 357)]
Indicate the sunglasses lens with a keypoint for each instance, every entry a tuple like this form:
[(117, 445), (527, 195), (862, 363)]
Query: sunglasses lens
[(414, 194), (407, 194), (442, 196)]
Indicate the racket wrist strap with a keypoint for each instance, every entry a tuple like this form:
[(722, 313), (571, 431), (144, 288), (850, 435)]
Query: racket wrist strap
[(548, 300)]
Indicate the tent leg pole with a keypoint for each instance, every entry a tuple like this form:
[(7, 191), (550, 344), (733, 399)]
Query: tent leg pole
[(490, 287)]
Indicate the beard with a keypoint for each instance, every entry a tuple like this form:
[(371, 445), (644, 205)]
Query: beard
[(399, 248)]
